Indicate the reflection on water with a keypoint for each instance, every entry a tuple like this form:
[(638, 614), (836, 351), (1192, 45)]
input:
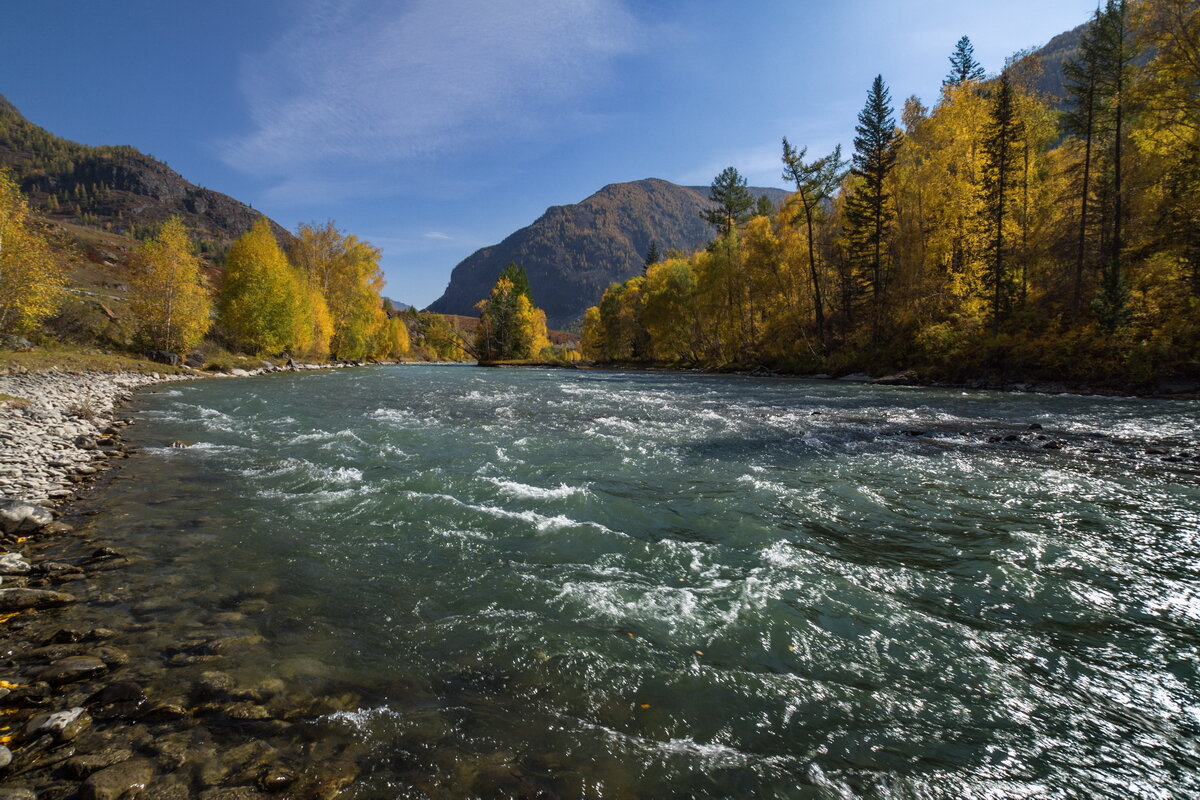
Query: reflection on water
[(634, 585)]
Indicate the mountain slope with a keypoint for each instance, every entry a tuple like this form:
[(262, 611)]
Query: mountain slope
[(114, 188), (573, 252)]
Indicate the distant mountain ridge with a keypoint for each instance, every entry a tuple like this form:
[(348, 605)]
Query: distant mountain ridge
[(115, 188), (573, 252)]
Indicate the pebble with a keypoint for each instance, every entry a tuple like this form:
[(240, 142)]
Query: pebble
[(21, 599)]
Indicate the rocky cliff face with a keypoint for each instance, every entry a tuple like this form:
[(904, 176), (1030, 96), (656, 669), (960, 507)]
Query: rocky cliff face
[(572, 253), (115, 188)]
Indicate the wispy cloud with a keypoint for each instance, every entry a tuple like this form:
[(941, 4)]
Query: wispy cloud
[(381, 82), (439, 236)]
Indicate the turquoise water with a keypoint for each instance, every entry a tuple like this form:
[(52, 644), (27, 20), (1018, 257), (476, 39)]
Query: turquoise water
[(599, 584)]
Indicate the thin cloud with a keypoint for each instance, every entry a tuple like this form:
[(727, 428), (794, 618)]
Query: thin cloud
[(438, 235), (376, 82)]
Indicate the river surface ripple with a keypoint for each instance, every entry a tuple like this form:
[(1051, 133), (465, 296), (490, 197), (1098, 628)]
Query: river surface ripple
[(654, 586)]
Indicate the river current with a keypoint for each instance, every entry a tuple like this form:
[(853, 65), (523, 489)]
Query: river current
[(639, 585)]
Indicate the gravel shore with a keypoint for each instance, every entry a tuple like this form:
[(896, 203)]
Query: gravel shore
[(61, 429)]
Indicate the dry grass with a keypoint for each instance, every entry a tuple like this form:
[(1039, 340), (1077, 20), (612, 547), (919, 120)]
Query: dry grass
[(11, 401), (72, 358)]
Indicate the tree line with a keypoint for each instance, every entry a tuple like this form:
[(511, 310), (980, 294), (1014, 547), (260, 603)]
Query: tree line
[(318, 298), (991, 233)]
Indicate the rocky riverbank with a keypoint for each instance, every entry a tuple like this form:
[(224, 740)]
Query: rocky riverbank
[(112, 683)]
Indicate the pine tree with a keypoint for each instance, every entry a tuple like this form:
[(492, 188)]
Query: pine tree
[(1001, 148), (869, 211), (963, 66), (733, 199), (816, 181)]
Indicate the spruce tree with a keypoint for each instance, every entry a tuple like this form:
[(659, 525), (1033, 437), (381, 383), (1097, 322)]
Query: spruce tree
[(516, 274), (963, 66), (869, 210), (652, 257)]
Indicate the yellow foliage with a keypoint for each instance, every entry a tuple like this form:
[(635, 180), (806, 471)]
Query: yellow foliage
[(259, 295), (346, 270), (168, 298), (31, 280)]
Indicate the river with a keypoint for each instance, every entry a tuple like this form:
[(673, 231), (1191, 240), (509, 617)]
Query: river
[(645, 585)]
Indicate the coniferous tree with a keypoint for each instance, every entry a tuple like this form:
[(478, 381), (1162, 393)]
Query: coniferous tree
[(733, 199), (816, 181), (1082, 79), (869, 211), (1001, 143), (515, 274), (652, 257), (963, 66), (1118, 52), (764, 207)]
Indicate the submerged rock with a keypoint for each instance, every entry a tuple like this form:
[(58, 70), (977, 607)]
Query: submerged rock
[(118, 782), (62, 725), (71, 669), (21, 599)]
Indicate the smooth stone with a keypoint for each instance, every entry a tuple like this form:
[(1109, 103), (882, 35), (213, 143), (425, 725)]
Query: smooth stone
[(856, 377), (21, 599), (17, 516), (80, 767), (72, 668), (5, 756), (17, 793), (62, 725), (121, 781), (13, 564)]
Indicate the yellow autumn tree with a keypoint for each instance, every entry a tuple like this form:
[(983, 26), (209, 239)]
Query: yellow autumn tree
[(258, 295), (392, 341), (346, 270), (168, 298), (31, 279)]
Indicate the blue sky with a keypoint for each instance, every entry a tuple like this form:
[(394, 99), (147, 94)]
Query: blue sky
[(435, 127)]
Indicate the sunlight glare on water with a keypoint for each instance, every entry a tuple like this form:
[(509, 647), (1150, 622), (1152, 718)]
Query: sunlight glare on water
[(649, 585)]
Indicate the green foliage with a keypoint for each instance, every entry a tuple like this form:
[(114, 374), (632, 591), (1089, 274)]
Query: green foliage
[(733, 201)]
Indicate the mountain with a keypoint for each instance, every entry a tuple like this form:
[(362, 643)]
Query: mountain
[(117, 189), (572, 253)]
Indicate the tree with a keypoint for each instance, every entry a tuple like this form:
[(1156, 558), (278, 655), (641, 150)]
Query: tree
[(510, 326), (1000, 149), (515, 274), (816, 181), (869, 212), (31, 279), (346, 270), (169, 301), (763, 207), (963, 66), (733, 199), (652, 258), (258, 293)]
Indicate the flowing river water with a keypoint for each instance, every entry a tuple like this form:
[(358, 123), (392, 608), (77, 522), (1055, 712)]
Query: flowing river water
[(543, 583)]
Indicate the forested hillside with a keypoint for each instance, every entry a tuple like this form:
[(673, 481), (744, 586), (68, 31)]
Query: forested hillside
[(984, 234), (116, 188)]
